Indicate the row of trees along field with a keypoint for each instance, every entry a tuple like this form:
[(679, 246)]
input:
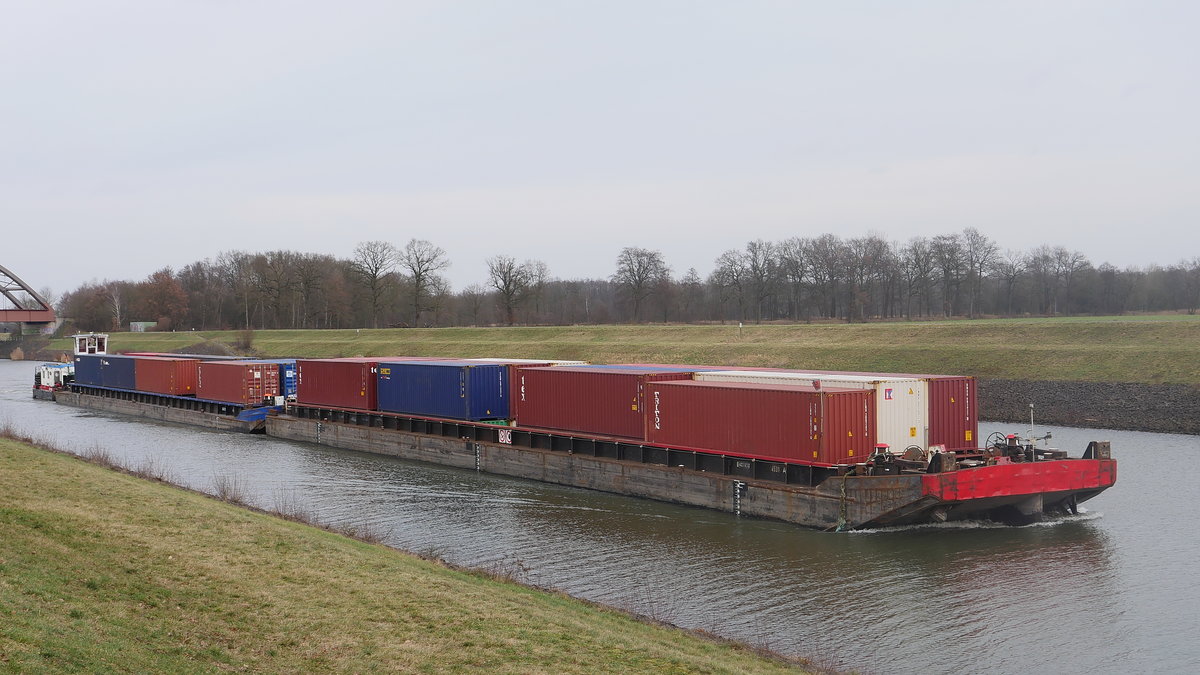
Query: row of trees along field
[(799, 279)]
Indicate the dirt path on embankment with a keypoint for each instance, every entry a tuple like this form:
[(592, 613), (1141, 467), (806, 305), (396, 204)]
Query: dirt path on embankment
[(1172, 408)]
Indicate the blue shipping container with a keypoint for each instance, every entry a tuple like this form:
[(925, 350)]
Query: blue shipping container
[(452, 389), (87, 369), (287, 375), (106, 370)]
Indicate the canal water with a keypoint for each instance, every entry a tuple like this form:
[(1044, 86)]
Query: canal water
[(1111, 590)]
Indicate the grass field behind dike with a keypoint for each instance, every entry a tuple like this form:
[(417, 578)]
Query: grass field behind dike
[(101, 571), (1148, 350)]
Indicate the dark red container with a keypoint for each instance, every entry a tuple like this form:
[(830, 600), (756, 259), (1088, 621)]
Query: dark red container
[(337, 383), (953, 409), (343, 383), (235, 382), (764, 421), (953, 406), (585, 400), (953, 412), (514, 371), (158, 375)]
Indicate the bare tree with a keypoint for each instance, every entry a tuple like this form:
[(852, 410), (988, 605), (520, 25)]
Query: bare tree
[(235, 269), (1040, 264), (313, 273), (951, 260), (691, 293), (164, 299), (275, 281), (372, 266), (826, 256), (422, 261), (639, 272), (473, 297), (49, 296), (980, 256), (729, 277), (1010, 268), (1067, 265), (761, 273), (864, 259), (793, 269), (203, 285), (539, 275), (1193, 285), (511, 282), (917, 265), (116, 296)]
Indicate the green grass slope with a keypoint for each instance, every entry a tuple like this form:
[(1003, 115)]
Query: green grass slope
[(105, 572)]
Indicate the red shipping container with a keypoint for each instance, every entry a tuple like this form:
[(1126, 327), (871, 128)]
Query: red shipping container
[(345, 382), (953, 406), (236, 382), (765, 421), (953, 412), (514, 369), (158, 375), (584, 400)]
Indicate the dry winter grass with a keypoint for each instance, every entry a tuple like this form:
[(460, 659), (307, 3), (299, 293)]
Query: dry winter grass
[(102, 571), (1155, 349)]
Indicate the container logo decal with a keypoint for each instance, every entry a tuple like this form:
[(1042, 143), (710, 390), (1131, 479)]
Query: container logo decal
[(385, 371), (887, 394), (657, 417)]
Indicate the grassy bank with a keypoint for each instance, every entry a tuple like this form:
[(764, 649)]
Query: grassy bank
[(102, 572), (1150, 350)]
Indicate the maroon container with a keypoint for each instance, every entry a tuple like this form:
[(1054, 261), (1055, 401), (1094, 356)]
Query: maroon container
[(235, 382), (953, 409), (953, 406), (953, 412), (764, 421), (175, 377), (345, 382), (514, 374), (584, 400), (337, 383)]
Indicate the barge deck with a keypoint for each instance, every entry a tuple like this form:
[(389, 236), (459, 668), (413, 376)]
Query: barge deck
[(838, 498)]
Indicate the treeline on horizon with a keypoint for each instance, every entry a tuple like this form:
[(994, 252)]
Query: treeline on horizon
[(826, 277)]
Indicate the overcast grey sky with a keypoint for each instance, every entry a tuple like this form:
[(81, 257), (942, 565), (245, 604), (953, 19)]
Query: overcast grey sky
[(135, 135)]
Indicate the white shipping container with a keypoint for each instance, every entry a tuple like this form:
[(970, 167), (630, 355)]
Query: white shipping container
[(901, 403)]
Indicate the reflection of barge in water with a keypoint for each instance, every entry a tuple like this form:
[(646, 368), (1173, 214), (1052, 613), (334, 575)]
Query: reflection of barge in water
[(1008, 479)]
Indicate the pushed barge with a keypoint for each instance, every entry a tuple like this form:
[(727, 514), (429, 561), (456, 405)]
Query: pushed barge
[(1011, 482), (807, 448)]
